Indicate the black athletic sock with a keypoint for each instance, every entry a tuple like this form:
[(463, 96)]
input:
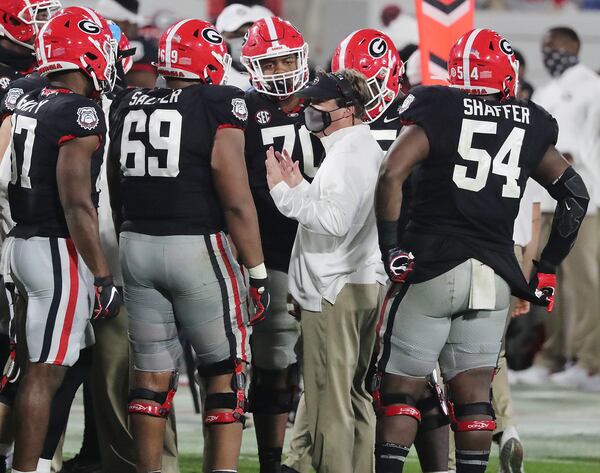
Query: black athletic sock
[(270, 459), (472, 461), (390, 457)]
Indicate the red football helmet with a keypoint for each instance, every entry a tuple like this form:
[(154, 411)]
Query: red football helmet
[(482, 62), (125, 55), (373, 54), (21, 20), (193, 49), (78, 39), (271, 38)]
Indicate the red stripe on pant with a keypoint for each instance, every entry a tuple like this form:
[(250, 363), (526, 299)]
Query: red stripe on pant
[(236, 293), (72, 303)]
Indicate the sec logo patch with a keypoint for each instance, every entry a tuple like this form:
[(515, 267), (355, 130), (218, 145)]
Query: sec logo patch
[(87, 118), (263, 117)]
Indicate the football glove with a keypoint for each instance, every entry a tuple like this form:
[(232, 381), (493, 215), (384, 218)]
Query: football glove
[(108, 301), (398, 264), (543, 282), (260, 298)]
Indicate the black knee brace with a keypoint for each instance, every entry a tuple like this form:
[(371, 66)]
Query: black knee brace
[(396, 404), (435, 402), (236, 401), (11, 377), (476, 408), (138, 396), (264, 399)]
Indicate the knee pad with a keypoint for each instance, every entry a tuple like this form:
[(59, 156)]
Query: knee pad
[(264, 399), (397, 404), (476, 408), (138, 400), (236, 401), (434, 401)]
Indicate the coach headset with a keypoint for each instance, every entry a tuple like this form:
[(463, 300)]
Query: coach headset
[(317, 120)]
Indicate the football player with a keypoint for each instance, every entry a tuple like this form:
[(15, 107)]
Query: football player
[(276, 56), (56, 260), (182, 185), (373, 54), (454, 265)]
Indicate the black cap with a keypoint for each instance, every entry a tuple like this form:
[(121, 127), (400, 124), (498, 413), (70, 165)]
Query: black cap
[(328, 86)]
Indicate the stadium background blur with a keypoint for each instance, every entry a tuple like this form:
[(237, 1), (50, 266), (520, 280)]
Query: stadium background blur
[(560, 427)]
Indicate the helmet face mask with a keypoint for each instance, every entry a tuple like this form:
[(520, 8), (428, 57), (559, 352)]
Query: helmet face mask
[(373, 54), (281, 84), (273, 39)]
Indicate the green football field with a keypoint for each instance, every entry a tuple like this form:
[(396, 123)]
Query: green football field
[(190, 464), (559, 428)]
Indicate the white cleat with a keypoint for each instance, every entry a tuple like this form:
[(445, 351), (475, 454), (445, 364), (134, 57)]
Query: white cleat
[(592, 384), (534, 375), (573, 377), (511, 452)]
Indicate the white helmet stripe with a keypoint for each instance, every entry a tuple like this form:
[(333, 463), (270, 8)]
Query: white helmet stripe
[(93, 15), (169, 40), (343, 47), (272, 31), (467, 55)]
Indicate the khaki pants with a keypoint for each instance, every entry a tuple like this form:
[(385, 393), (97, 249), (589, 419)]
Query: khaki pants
[(572, 328), (300, 444), (110, 383), (338, 343)]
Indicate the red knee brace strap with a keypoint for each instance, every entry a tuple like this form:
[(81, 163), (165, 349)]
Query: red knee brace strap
[(139, 396), (236, 401), (389, 405), (472, 425)]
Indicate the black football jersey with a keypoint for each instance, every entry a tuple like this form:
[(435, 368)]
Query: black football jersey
[(18, 88), (467, 191), (163, 140), (8, 74), (42, 121), (269, 126), (387, 127)]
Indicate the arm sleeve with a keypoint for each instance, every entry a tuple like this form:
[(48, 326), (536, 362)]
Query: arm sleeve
[(572, 201), (330, 212)]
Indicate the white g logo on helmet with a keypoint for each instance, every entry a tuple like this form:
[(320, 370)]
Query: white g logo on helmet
[(212, 36), (89, 27), (377, 47)]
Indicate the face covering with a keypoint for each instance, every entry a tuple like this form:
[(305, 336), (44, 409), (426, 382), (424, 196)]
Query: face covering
[(317, 121), (235, 47), (558, 61), (21, 62)]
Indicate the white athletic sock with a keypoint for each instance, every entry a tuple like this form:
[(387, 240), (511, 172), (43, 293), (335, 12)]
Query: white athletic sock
[(44, 466), (5, 449), (19, 471)]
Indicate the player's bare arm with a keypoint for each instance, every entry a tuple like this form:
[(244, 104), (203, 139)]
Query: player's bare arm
[(4, 137), (231, 182), (410, 148), (74, 187)]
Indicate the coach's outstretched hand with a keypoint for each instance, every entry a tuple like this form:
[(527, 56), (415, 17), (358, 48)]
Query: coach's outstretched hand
[(108, 300)]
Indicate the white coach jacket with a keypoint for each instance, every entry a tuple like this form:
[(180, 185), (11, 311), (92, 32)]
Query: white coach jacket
[(336, 241)]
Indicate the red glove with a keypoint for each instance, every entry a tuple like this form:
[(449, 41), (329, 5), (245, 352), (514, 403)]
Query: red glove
[(546, 288), (398, 264)]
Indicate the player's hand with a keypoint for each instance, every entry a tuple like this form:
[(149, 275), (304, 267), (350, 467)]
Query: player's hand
[(398, 264), (108, 301), (520, 307), (543, 282), (260, 298)]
